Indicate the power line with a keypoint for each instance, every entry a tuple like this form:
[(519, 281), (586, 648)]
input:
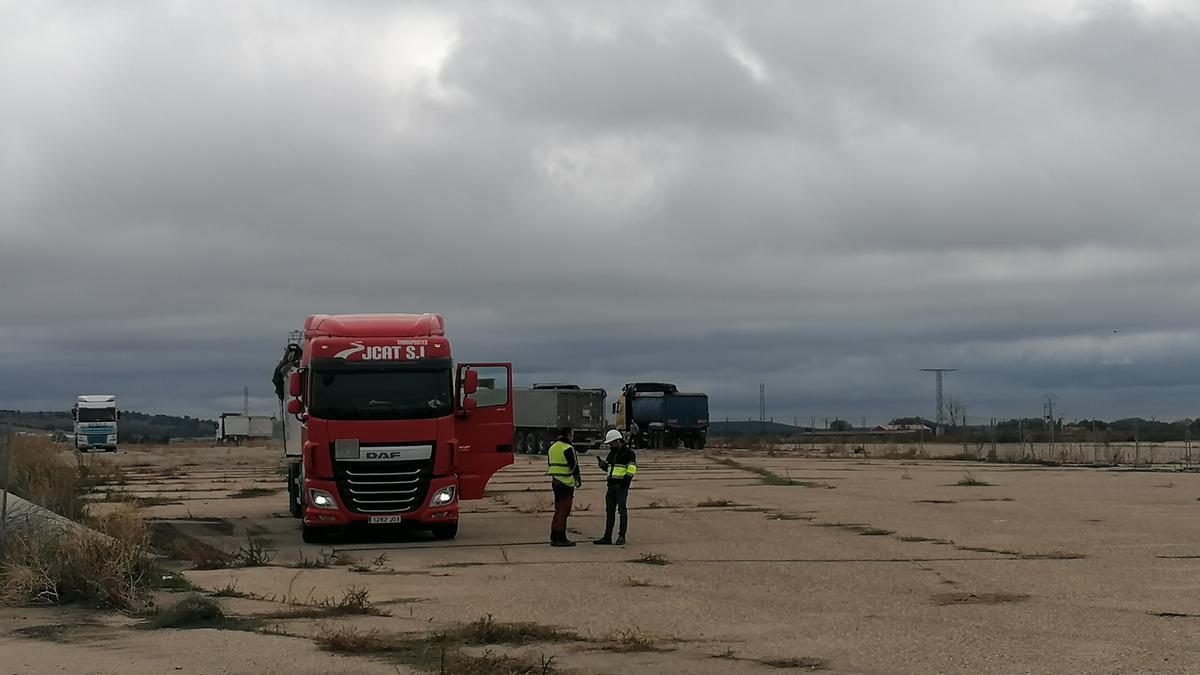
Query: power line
[(941, 416)]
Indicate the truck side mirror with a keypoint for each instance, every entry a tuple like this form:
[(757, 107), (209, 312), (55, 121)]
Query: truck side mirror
[(616, 408), (470, 383), (295, 407), (295, 385), (74, 413), (468, 405), (118, 414)]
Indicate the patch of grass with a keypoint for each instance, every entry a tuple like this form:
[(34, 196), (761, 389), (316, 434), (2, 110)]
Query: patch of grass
[(488, 631), (766, 476), (715, 503), (354, 602), (439, 652), (166, 539), (985, 549), (652, 559), (644, 583), (488, 663), (230, 590), (863, 529), (51, 632), (802, 663), (324, 561), (629, 641), (1052, 555), (46, 565), (251, 492), (963, 598), (971, 481), (253, 554), (156, 501), (195, 612), (375, 566)]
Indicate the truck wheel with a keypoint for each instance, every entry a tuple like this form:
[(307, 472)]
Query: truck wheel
[(293, 478), (531, 443), (314, 535), (445, 530), (701, 441)]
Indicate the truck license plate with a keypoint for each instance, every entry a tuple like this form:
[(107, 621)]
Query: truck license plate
[(383, 520)]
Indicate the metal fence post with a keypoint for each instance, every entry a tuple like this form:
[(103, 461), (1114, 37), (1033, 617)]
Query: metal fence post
[(5, 464)]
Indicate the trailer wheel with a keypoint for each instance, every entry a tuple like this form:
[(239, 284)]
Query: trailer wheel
[(532, 443), (293, 478), (445, 530)]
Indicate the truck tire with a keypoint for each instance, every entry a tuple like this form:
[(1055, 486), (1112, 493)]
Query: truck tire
[(532, 443), (701, 441), (293, 478), (445, 530)]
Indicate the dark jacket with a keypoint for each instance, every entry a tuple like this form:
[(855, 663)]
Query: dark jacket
[(622, 455)]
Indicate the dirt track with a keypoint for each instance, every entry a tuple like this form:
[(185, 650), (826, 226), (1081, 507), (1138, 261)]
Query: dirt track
[(863, 566)]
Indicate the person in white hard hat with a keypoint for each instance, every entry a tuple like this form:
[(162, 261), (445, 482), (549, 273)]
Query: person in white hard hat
[(621, 467)]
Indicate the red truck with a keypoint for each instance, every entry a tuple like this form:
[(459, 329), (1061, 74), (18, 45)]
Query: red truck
[(383, 428)]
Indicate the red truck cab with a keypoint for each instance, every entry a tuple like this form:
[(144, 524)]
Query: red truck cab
[(393, 432)]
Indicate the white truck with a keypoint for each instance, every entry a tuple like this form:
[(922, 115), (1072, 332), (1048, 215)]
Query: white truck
[(236, 427), (96, 422)]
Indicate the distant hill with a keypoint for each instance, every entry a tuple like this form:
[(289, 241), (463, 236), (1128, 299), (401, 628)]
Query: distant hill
[(751, 428), (134, 427)]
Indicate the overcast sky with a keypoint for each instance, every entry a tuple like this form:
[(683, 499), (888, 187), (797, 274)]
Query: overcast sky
[(822, 197)]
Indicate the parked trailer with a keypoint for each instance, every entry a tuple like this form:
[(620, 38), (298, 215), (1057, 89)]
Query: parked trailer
[(236, 427), (540, 411), (658, 415)]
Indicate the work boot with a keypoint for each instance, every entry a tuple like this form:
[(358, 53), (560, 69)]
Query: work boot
[(621, 540), (606, 540), (559, 538)]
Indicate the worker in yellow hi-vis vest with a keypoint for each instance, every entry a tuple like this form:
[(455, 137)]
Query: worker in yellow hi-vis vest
[(621, 466), (563, 468)]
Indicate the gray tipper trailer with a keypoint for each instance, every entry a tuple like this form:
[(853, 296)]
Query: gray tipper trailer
[(540, 411), (236, 427)]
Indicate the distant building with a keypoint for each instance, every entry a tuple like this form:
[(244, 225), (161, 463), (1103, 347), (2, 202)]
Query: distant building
[(900, 428)]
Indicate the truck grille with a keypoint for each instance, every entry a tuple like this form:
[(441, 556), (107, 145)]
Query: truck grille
[(383, 487)]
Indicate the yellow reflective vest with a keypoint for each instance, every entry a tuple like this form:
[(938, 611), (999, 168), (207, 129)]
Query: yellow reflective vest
[(557, 465), (620, 471)]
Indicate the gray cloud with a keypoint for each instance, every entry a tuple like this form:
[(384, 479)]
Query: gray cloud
[(721, 195)]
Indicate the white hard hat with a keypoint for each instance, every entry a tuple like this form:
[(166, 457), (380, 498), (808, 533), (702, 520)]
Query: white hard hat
[(612, 436)]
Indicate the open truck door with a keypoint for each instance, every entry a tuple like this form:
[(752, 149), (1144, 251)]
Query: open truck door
[(484, 425)]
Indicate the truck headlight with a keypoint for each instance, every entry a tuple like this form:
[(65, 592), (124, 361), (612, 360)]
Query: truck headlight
[(443, 497), (321, 499)]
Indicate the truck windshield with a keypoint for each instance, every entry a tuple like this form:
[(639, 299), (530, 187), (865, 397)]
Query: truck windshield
[(380, 393), (97, 415)]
